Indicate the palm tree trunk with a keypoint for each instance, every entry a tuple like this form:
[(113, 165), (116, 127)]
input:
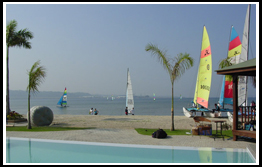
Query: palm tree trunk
[(172, 110), (28, 113), (7, 82)]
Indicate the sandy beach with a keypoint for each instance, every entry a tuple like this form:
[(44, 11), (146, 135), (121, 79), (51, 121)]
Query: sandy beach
[(126, 122)]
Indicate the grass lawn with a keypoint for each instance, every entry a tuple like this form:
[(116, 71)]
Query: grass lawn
[(226, 133), (142, 131), (42, 128)]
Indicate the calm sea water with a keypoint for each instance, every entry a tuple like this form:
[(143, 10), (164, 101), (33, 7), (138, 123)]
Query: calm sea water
[(80, 105)]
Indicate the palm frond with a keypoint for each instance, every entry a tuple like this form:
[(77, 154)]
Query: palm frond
[(182, 63), (161, 55), (10, 31), (36, 76), (226, 63), (22, 38), (19, 38)]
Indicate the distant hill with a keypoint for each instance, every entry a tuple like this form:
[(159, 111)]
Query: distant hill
[(21, 93)]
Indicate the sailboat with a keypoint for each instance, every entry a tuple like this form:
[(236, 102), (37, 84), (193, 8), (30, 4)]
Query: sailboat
[(129, 93), (203, 82), (242, 83), (226, 95), (63, 100)]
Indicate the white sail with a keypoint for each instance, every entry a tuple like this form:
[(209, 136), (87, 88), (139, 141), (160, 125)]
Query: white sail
[(242, 84), (129, 93)]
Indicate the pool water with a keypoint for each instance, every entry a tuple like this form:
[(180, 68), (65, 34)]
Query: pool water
[(24, 150)]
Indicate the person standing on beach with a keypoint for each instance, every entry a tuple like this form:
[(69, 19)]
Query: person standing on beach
[(126, 111), (91, 111), (133, 111)]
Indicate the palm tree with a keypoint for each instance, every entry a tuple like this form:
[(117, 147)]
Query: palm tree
[(14, 38), (175, 67), (36, 76)]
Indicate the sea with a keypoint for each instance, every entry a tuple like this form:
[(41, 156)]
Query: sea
[(80, 104)]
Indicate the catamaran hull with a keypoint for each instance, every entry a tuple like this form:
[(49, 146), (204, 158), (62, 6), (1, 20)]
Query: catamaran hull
[(62, 106), (207, 114), (230, 116), (191, 112), (221, 114), (187, 113), (218, 115)]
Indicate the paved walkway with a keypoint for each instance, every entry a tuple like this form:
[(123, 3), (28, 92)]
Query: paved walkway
[(130, 136)]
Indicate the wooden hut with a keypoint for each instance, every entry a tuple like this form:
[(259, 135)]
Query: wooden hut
[(247, 68)]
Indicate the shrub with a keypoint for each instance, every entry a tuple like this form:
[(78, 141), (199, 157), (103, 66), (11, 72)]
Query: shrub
[(226, 126), (14, 115)]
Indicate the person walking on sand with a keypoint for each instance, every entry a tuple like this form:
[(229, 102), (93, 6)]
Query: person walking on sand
[(133, 111), (126, 111), (96, 111), (91, 111)]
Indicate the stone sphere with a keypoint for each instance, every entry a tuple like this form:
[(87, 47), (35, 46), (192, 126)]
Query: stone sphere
[(41, 116)]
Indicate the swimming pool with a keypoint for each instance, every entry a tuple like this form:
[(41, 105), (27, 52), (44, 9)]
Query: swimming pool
[(25, 150)]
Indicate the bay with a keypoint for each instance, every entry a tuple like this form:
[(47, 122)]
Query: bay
[(80, 104)]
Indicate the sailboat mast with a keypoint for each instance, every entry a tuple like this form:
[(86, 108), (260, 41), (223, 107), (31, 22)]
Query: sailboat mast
[(197, 81), (127, 74), (249, 8)]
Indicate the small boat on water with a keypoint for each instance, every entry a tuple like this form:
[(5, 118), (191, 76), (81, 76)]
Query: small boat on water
[(63, 100), (203, 82)]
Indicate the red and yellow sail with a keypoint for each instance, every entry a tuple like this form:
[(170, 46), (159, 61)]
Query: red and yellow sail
[(203, 83)]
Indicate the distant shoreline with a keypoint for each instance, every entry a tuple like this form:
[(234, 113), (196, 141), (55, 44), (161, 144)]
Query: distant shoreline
[(88, 95)]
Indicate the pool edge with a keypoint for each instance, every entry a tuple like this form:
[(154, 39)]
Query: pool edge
[(252, 150)]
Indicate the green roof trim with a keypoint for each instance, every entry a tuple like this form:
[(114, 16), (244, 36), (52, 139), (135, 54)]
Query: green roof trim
[(246, 64)]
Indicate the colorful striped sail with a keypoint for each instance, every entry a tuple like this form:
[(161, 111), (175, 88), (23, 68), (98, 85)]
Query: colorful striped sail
[(63, 100), (235, 46), (234, 52), (204, 75)]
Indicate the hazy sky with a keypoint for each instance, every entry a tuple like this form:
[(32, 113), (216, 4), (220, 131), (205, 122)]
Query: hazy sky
[(88, 47)]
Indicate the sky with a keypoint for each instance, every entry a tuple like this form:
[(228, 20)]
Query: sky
[(88, 47)]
